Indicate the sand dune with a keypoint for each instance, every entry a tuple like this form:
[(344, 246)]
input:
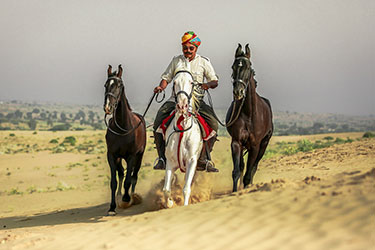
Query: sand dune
[(323, 199)]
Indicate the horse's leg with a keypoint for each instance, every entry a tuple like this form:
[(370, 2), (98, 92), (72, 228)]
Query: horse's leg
[(167, 185), (120, 173), (189, 175), (262, 149), (113, 166), (127, 183), (242, 166), (134, 178), (236, 154), (251, 166)]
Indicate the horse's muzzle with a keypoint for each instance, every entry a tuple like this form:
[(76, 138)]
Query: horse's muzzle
[(107, 110)]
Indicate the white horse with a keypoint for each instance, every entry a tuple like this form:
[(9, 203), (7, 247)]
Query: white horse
[(183, 138)]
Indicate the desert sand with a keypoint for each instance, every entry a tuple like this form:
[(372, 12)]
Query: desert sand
[(323, 199)]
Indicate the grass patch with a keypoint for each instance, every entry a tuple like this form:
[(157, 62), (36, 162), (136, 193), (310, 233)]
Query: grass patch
[(290, 148)]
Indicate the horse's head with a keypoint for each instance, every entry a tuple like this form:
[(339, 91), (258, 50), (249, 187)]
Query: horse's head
[(241, 72), (183, 90), (113, 89)]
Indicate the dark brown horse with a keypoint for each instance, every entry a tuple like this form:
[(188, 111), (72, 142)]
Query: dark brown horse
[(249, 120), (125, 137)]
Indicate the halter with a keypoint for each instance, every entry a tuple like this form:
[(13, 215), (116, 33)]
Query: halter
[(113, 95), (240, 80), (246, 84), (115, 108), (189, 96)]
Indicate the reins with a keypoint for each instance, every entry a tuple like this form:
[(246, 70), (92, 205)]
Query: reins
[(231, 120)]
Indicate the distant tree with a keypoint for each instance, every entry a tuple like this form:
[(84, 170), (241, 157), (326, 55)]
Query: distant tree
[(345, 127), (18, 114), (70, 115), (54, 115), (80, 115), (49, 122), (63, 117), (43, 116), (32, 124), (1, 115), (332, 125), (36, 111), (317, 125), (10, 116), (29, 115), (91, 116)]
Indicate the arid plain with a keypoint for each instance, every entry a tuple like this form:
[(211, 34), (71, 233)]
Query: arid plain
[(54, 194)]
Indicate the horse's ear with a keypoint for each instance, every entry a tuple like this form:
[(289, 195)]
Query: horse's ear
[(247, 49), (109, 70), (239, 50), (119, 74)]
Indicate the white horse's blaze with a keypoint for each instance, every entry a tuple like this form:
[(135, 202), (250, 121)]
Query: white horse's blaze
[(190, 144)]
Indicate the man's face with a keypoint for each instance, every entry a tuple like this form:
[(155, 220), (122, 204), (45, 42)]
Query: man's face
[(189, 51)]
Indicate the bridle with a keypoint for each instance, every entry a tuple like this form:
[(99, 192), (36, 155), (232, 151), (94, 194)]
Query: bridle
[(189, 96), (114, 108), (108, 93), (245, 83)]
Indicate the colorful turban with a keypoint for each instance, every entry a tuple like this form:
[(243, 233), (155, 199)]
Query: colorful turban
[(191, 37)]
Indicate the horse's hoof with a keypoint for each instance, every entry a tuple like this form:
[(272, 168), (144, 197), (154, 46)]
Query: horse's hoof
[(137, 199), (169, 203), (111, 213)]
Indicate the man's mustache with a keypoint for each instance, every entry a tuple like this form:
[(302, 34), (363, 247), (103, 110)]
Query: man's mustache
[(188, 53)]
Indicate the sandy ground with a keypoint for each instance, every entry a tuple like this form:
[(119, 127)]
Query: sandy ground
[(322, 199)]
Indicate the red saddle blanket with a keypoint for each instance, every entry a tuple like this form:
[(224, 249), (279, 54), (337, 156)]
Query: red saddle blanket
[(206, 131)]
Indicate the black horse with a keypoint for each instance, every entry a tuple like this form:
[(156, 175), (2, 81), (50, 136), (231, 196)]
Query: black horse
[(125, 137), (249, 119)]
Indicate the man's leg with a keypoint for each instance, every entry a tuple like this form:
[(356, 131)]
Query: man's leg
[(205, 162), (164, 111)]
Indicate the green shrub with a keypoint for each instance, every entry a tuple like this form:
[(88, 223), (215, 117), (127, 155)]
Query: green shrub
[(55, 141), (289, 150), (70, 140), (328, 138), (368, 135), (60, 127), (12, 135), (339, 140), (14, 191), (348, 140), (305, 145)]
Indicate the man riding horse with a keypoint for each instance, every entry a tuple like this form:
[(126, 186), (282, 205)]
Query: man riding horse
[(200, 68)]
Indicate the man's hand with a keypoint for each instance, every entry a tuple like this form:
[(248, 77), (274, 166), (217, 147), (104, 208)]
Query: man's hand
[(205, 86), (163, 84), (209, 85), (158, 89)]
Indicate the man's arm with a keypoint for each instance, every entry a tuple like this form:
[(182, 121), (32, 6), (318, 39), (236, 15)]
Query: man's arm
[(210, 85), (162, 85)]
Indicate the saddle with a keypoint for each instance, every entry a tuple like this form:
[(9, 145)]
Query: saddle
[(206, 131)]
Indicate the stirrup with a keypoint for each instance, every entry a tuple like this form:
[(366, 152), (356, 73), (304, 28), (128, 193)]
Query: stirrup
[(210, 166), (157, 161)]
